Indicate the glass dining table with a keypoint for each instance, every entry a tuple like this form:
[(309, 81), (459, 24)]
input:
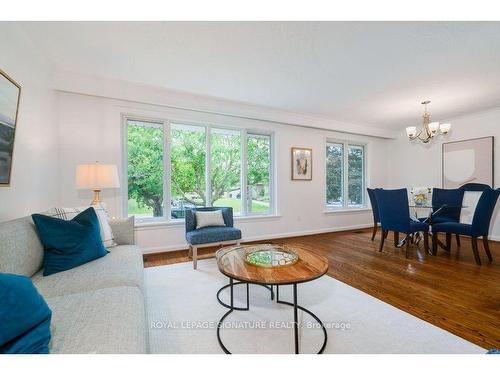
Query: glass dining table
[(433, 210)]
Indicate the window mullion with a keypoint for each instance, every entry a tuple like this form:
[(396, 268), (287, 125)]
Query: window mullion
[(243, 176), (167, 202), (346, 174), (208, 160)]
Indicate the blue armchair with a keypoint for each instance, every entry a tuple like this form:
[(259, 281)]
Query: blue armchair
[(376, 216), (479, 228), (395, 216), (209, 236)]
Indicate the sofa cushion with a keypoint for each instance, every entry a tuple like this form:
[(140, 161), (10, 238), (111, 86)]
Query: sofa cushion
[(24, 317), (123, 230), (121, 267), (68, 213), (212, 234), (69, 243), (21, 251), (110, 320)]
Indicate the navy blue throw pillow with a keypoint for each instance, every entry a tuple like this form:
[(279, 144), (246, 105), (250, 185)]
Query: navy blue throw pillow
[(69, 243), (24, 317)]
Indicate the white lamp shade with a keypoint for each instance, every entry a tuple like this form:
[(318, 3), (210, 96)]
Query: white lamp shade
[(411, 131), (445, 128), (433, 127), (97, 176)]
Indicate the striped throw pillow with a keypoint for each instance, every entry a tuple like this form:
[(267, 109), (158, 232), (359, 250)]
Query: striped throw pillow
[(66, 213)]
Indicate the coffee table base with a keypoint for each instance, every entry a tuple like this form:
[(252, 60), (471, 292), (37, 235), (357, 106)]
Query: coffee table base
[(295, 306)]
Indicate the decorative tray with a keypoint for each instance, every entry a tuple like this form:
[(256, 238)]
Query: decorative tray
[(270, 256)]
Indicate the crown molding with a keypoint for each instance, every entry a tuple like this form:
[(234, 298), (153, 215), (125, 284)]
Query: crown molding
[(78, 83)]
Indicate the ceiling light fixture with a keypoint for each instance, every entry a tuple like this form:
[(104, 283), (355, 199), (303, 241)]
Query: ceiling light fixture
[(429, 129)]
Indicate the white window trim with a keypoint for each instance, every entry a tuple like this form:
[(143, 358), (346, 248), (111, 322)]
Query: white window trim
[(166, 220), (345, 181)]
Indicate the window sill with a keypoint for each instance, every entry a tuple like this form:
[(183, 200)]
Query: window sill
[(344, 211), (243, 219), (153, 224)]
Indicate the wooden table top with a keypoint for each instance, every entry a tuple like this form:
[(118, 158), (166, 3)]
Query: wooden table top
[(231, 262)]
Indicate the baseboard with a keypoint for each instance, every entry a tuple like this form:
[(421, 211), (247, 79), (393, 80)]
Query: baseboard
[(163, 249)]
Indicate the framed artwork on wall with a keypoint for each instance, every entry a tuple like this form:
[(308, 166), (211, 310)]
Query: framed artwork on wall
[(10, 92), (301, 163), (467, 161)]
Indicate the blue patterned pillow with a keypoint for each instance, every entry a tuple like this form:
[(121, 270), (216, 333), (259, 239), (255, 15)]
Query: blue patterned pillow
[(24, 317), (69, 243)]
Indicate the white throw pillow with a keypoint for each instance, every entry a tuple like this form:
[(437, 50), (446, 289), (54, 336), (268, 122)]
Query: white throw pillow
[(66, 213), (209, 219), (469, 204)]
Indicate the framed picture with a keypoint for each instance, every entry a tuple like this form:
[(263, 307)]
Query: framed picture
[(468, 161), (10, 93), (301, 163)]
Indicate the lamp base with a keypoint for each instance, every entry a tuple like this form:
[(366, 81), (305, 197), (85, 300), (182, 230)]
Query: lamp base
[(97, 199)]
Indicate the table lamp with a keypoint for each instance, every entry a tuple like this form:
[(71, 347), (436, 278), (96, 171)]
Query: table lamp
[(97, 177)]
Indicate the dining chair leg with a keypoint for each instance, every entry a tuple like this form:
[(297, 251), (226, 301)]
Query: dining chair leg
[(474, 249), (448, 242), (487, 248), (396, 238), (375, 227), (434, 243), (407, 249), (426, 242), (457, 237), (382, 239)]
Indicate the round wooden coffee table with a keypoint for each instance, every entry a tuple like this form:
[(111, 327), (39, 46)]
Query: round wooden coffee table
[(269, 265)]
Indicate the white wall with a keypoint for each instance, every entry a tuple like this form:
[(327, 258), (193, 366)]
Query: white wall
[(34, 180), (90, 129), (420, 165)]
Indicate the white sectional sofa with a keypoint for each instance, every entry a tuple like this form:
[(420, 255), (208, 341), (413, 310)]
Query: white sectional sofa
[(97, 307)]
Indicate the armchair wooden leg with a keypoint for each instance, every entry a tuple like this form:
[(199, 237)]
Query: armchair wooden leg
[(382, 239), (487, 248), (195, 257), (474, 249), (426, 242), (396, 238), (375, 227), (407, 249), (457, 237), (190, 251), (448, 242), (238, 243), (434, 243)]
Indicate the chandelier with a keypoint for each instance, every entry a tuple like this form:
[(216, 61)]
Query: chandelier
[(429, 129)]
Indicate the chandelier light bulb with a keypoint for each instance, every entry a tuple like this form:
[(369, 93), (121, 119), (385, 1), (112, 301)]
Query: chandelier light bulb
[(411, 131), (434, 127), (445, 128)]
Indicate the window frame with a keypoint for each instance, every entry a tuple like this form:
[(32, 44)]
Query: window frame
[(166, 124), (345, 174)]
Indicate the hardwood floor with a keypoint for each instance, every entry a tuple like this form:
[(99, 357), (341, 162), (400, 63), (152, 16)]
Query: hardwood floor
[(448, 290)]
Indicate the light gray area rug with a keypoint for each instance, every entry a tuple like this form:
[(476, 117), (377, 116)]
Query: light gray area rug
[(183, 313)]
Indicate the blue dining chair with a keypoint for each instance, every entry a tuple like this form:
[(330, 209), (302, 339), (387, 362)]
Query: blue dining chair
[(394, 214), (479, 228), (376, 216), (447, 197), (473, 186)]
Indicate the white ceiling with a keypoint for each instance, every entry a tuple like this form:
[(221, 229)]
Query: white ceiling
[(361, 72)]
